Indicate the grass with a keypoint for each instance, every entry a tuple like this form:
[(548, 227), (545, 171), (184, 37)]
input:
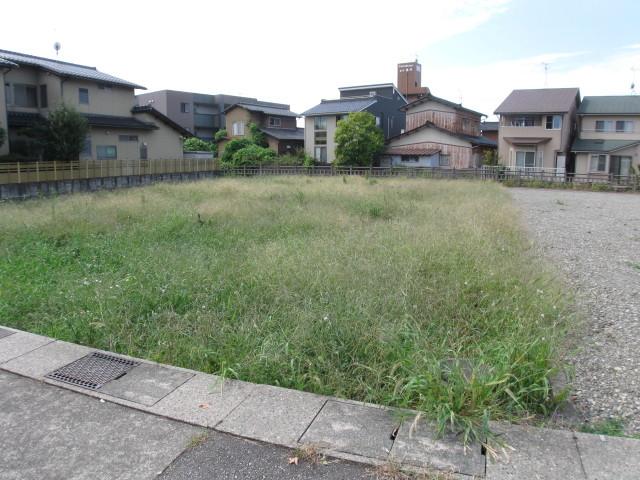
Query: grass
[(613, 427), (409, 293)]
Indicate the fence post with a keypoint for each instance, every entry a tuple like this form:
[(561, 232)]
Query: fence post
[(19, 180), (86, 169), (55, 171), (37, 171)]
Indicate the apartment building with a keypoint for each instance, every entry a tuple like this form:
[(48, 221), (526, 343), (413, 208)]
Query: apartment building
[(33, 86), (608, 142), (537, 128)]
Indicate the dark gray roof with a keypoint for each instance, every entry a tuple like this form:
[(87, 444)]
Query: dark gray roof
[(113, 121), (285, 133), (489, 126), (163, 118), (65, 69), (23, 119), (267, 110), (541, 100), (429, 97), (7, 63), (610, 105), (345, 105), (601, 146)]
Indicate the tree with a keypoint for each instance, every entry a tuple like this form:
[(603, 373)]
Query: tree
[(358, 140), (253, 155), (194, 144), (257, 136), (66, 133), (220, 135), (226, 160)]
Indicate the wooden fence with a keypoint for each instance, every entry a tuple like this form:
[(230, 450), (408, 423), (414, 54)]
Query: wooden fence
[(27, 172)]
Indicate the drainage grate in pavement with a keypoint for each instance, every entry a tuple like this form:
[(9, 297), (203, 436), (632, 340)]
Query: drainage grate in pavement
[(5, 333), (93, 370)]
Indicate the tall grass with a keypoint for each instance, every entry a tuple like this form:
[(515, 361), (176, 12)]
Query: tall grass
[(410, 293)]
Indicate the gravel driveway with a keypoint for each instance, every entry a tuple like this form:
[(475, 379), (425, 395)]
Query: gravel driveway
[(594, 239)]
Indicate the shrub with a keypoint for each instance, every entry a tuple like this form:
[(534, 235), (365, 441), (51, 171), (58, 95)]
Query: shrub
[(64, 134), (226, 160), (358, 140), (299, 157), (253, 155), (195, 144), (220, 135), (257, 136)]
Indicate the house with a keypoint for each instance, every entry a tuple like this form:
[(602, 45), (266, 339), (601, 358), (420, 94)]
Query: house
[(537, 128), (489, 130), (381, 100), (277, 123), (32, 86), (201, 114), (439, 133), (608, 140)]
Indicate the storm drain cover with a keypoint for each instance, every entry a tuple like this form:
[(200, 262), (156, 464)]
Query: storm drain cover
[(93, 370), (5, 333)]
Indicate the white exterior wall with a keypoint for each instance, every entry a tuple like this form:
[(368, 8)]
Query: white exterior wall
[(309, 131)]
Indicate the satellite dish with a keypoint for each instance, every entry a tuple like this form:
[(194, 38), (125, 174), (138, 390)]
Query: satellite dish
[(56, 47)]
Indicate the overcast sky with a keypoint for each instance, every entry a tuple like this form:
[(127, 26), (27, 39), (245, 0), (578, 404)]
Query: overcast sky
[(298, 52)]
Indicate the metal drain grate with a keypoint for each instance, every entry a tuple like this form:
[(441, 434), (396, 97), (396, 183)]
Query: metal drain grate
[(5, 333), (93, 370)]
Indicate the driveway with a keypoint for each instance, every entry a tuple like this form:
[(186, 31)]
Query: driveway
[(594, 240)]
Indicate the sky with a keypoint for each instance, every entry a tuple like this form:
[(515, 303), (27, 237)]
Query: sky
[(299, 52)]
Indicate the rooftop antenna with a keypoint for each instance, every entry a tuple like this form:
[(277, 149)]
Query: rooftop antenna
[(546, 73), (633, 80), (56, 47)]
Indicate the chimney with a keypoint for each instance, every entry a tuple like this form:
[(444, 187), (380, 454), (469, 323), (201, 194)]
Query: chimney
[(410, 81)]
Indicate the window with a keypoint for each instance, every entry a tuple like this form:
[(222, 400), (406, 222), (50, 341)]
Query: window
[(185, 107), (320, 132), (372, 93), (83, 96), (238, 129), (86, 149), (44, 101), (598, 163), (378, 121), (444, 160), (525, 159), (143, 151), (7, 90), (465, 124), (553, 122), (25, 95), (320, 137), (624, 126), (128, 138), (523, 122), (604, 125), (409, 158), (320, 123), (106, 152), (320, 154), (275, 122)]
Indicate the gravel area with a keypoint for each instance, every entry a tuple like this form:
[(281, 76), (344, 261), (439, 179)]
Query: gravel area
[(594, 239)]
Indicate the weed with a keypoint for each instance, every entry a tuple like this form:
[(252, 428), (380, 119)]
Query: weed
[(198, 439)]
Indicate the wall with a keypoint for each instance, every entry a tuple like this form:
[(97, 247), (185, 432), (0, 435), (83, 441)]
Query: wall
[(583, 160), (309, 137), (443, 116), (555, 143), (588, 127), (102, 101), (4, 149)]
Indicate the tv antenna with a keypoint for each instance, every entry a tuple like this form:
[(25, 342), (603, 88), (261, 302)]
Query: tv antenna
[(57, 47), (545, 65), (633, 80)]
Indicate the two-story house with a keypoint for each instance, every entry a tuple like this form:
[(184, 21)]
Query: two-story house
[(537, 128), (439, 133), (384, 101), (608, 140), (276, 121), (33, 86)]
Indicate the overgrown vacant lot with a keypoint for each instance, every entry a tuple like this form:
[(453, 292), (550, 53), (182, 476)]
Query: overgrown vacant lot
[(411, 293)]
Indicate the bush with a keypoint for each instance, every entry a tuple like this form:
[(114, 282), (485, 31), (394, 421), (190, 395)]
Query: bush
[(64, 134), (226, 160), (358, 140), (257, 136), (220, 135), (299, 157), (253, 155), (195, 144)]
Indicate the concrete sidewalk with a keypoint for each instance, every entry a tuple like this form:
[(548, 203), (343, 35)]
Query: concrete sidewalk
[(368, 434)]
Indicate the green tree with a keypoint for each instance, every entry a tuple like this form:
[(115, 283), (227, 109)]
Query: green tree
[(253, 155), (195, 144), (220, 135), (257, 136), (490, 157), (65, 134), (358, 140), (226, 160)]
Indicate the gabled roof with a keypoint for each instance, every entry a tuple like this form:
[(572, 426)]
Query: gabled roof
[(432, 98), (285, 133), (163, 118), (65, 69), (489, 126), (541, 100), (610, 105), (473, 140), (340, 106), (267, 110), (602, 146), (7, 64)]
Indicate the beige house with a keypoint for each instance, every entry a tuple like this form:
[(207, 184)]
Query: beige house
[(537, 127), (278, 123), (608, 142), (33, 86), (439, 133)]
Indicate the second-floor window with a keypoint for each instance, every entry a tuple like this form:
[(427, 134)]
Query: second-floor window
[(524, 121), (83, 96), (275, 122), (25, 95), (320, 130), (44, 100), (185, 107), (553, 122), (624, 126), (237, 129)]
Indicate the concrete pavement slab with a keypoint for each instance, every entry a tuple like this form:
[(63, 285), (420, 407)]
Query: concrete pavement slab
[(274, 415), (146, 383), (418, 444), (4, 332), (224, 457), (536, 454), (203, 400), (20, 343), (353, 429), (609, 458), (37, 363), (47, 432)]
